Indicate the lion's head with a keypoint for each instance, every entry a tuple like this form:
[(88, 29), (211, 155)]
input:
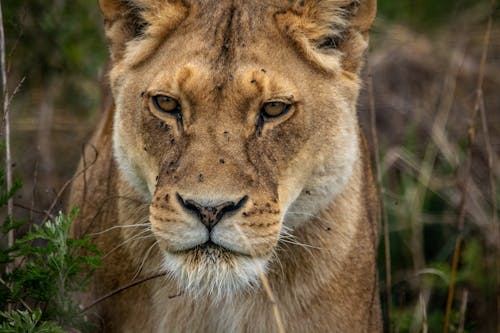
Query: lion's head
[(236, 120)]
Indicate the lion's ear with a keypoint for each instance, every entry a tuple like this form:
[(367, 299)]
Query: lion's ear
[(365, 15), (122, 22), (129, 20), (331, 33), (331, 14)]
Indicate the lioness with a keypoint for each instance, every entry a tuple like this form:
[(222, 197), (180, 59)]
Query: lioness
[(232, 160)]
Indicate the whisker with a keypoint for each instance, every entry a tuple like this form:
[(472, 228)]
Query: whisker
[(120, 227), (289, 238), (276, 258), (144, 260), (304, 246), (136, 237)]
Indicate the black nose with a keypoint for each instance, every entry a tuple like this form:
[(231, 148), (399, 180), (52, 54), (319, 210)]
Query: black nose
[(211, 215)]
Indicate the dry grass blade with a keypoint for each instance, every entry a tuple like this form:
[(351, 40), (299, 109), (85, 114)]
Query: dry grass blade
[(425, 326), (463, 310), (383, 213), (467, 172), (493, 199), (266, 285)]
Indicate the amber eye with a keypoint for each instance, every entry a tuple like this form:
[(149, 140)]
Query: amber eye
[(166, 104), (275, 109)]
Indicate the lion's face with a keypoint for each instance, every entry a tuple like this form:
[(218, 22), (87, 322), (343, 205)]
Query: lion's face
[(237, 123)]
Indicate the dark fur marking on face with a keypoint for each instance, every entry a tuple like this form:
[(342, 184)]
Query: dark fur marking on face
[(259, 225), (180, 123), (167, 208), (161, 124), (259, 124), (227, 36)]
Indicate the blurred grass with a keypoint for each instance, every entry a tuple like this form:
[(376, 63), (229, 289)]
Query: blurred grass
[(425, 63), (424, 14), (425, 67)]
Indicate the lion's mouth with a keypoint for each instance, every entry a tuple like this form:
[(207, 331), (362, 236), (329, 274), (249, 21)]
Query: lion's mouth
[(210, 249), (212, 269)]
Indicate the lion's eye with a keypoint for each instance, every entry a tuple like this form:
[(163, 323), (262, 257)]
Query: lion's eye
[(166, 104), (275, 109)]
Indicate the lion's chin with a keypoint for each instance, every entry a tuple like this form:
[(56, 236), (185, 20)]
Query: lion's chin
[(212, 271)]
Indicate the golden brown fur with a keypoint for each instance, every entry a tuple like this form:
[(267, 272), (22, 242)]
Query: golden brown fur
[(307, 210)]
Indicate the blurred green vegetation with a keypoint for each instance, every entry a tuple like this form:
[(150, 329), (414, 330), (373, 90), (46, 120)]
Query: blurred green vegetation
[(63, 38), (57, 50), (426, 214), (424, 14)]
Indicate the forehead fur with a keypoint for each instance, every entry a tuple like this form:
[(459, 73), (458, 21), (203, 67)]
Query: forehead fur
[(316, 28)]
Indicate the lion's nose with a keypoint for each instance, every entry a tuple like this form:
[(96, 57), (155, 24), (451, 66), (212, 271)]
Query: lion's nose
[(211, 215)]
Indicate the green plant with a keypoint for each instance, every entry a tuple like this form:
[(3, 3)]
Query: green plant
[(46, 267), (26, 322)]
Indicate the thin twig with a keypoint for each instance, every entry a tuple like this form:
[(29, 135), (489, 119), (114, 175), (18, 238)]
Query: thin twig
[(467, 172), (121, 289), (383, 213), (16, 90), (6, 123), (32, 210), (66, 184), (84, 160)]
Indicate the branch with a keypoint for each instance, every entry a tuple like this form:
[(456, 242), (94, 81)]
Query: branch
[(121, 289)]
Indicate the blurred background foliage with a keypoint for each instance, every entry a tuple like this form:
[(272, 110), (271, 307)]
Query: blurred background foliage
[(424, 14), (424, 62), (60, 39)]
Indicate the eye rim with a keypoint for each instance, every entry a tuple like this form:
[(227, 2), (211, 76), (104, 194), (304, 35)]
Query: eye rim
[(287, 106), (174, 111)]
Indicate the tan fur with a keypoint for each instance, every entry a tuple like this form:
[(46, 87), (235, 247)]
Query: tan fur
[(310, 221)]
